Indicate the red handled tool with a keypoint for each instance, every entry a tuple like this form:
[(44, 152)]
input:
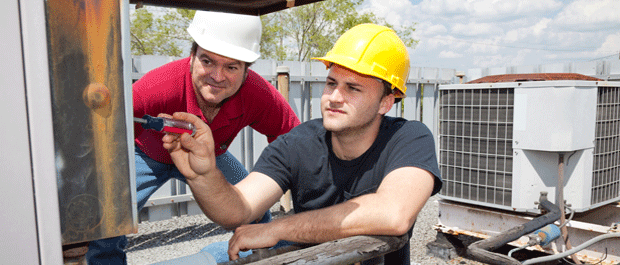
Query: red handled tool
[(166, 125)]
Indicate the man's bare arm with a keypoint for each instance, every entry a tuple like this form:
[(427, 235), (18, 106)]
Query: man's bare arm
[(392, 210), (219, 200), (231, 206)]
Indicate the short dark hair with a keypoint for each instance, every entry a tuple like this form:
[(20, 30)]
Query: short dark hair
[(194, 48), (387, 90)]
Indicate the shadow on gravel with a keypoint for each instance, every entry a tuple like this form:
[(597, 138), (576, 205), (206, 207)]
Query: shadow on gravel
[(161, 238)]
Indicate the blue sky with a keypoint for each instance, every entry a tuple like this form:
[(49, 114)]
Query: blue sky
[(467, 34)]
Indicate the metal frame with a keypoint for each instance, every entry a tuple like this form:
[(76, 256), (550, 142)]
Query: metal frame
[(31, 197), (480, 222)]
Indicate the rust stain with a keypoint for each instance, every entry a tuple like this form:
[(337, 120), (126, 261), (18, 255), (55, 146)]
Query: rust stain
[(90, 31)]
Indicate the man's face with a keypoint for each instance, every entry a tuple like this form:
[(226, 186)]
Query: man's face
[(352, 101), (216, 77)]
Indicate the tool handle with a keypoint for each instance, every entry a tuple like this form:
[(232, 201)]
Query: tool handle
[(167, 125), (177, 126)]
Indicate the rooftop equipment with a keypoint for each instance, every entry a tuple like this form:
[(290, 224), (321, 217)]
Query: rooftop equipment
[(500, 139)]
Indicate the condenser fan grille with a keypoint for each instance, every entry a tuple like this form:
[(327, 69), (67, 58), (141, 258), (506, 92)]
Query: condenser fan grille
[(475, 144), (606, 163)]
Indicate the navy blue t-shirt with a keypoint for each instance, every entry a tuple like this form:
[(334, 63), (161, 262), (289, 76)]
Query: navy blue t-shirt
[(303, 161)]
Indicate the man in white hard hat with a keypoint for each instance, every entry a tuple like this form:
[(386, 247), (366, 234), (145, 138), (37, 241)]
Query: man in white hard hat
[(214, 84), (353, 172)]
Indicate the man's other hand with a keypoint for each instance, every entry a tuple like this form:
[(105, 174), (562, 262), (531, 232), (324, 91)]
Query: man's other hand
[(252, 236)]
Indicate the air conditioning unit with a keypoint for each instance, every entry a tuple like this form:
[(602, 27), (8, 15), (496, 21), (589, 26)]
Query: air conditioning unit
[(500, 143)]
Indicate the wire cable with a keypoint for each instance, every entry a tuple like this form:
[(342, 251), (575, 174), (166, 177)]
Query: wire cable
[(517, 249), (572, 213), (571, 251)]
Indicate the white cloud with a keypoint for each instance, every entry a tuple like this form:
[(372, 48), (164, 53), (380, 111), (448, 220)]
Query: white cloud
[(611, 45), (449, 54), (468, 34), (431, 29), (540, 27), (475, 29), (487, 61), (590, 15), (483, 47), (486, 10), (393, 11)]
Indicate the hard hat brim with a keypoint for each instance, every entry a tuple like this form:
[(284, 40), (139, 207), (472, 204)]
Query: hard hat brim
[(216, 46), (349, 63)]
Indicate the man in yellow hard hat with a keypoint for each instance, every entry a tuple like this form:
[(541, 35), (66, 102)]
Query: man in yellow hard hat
[(353, 172)]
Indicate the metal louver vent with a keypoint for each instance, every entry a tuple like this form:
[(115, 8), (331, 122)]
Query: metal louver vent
[(606, 165), (475, 144), (501, 144)]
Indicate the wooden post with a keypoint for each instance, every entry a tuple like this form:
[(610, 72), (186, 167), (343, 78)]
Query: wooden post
[(286, 202)]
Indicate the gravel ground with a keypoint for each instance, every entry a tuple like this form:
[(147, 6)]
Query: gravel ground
[(186, 235)]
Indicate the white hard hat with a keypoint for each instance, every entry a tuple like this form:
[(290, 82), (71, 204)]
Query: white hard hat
[(232, 35)]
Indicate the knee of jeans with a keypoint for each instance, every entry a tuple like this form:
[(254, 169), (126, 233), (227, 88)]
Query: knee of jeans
[(107, 251), (219, 251)]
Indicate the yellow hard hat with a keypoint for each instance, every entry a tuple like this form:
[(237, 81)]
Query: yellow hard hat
[(372, 50)]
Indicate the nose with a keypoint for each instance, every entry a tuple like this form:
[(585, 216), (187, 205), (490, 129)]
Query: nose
[(334, 95), (217, 74)]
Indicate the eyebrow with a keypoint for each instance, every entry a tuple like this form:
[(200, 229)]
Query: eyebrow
[(351, 84), (204, 55)]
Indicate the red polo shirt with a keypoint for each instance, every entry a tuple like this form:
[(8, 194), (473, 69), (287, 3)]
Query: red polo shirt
[(169, 89)]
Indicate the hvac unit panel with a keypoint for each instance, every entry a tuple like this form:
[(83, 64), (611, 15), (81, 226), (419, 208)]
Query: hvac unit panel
[(554, 118), (606, 164), (499, 144), (476, 145), (537, 171)]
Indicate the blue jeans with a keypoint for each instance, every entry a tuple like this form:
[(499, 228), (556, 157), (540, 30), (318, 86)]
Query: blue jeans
[(150, 176), (219, 250)]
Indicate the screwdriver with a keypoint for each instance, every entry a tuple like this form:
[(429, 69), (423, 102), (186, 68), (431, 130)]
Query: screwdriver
[(166, 125)]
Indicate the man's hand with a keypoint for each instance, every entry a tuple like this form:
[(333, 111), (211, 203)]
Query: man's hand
[(253, 236), (193, 156)]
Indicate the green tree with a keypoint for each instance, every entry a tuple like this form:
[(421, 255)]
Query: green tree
[(160, 35), (308, 31), (295, 34)]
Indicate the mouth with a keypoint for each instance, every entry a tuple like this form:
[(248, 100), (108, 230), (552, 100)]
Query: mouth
[(213, 87), (335, 111)]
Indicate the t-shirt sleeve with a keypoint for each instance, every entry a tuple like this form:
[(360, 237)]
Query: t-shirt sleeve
[(275, 162), (414, 146)]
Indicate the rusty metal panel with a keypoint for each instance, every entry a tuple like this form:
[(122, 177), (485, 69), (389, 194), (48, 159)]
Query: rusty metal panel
[(88, 108)]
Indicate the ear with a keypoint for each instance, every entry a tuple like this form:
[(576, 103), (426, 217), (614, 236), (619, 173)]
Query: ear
[(386, 104)]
